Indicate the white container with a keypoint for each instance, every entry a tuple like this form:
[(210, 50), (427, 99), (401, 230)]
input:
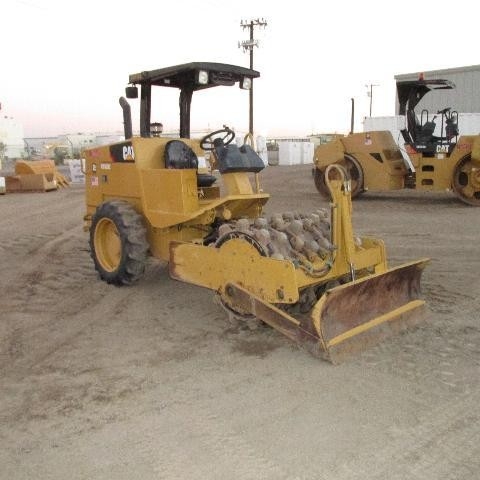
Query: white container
[(262, 149), (307, 153), (289, 153)]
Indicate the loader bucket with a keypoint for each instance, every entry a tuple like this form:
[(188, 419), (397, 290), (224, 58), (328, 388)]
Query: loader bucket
[(352, 317), (41, 167)]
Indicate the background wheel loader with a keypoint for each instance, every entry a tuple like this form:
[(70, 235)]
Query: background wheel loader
[(432, 163), (305, 275)]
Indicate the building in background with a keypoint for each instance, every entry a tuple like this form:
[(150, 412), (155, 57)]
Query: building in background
[(11, 139), (464, 98), (67, 146), (76, 142)]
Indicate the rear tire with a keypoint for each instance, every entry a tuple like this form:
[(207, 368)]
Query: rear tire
[(118, 243)]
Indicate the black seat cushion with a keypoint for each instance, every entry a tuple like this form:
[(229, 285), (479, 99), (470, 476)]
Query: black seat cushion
[(205, 180)]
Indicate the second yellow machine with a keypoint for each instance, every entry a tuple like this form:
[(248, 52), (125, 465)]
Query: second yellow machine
[(436, 157), (305, 275)]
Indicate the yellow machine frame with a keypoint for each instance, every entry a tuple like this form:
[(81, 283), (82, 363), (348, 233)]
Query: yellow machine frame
[(178, 214), (177, 210), (146, 196)]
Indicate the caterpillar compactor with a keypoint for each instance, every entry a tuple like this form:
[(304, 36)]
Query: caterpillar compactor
[(436, 157), (304, 274)]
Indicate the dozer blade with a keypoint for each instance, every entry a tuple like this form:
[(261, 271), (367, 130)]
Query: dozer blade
[(347, 319), (354, 316)]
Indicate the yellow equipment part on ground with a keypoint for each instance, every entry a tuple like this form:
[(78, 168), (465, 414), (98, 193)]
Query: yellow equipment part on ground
[(35, 176)]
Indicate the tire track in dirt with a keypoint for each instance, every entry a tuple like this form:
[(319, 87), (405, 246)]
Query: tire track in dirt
[(26, 244), (49, 296), (445, 444), (439, 355), (51, 270), (207, 434)]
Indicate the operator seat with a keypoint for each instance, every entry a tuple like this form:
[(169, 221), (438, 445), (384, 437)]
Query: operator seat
[(426, 133), (179, 155)]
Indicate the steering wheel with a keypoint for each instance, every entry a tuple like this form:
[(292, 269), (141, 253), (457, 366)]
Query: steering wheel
[(445, 110), (226, 134)]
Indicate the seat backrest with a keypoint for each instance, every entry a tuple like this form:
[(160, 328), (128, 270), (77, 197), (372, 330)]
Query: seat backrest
[(179, 155), (426, 132)]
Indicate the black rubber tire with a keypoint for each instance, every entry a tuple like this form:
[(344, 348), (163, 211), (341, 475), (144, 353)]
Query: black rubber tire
[(119, 259)]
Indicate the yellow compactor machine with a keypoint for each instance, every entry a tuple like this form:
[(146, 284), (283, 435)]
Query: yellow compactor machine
[(436, 157), (306, 275)]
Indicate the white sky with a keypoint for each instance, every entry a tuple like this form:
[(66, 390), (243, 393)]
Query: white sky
[(65, 64)]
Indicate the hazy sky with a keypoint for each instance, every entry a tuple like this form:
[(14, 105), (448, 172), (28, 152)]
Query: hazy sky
[(64, 64)]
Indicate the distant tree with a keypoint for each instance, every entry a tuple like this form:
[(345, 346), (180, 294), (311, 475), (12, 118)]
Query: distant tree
[(3, 149), (60, 154)]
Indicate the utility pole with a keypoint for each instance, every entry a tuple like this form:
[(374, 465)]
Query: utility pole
[(248, 45), (370, 94)]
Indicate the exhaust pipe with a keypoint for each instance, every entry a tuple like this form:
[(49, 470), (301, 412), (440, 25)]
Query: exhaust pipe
[(127, 117)]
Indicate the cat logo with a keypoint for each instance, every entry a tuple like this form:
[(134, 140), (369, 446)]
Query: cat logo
[(122, 152), (128, 154), (442, 148)]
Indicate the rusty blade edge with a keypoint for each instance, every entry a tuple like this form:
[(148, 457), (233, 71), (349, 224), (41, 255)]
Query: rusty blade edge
[(342, 351)]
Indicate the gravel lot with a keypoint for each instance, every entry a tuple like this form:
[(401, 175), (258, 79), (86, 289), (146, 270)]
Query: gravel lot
[(151, 382)]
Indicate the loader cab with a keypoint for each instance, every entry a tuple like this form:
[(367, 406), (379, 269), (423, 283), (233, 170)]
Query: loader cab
[(420, 131)]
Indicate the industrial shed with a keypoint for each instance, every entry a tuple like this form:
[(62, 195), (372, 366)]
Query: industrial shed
[(464, 99)]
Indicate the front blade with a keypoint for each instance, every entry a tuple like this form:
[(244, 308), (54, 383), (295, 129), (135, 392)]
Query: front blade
[(354, 316)]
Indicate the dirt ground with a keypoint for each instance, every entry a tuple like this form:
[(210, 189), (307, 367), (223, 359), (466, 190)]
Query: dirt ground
[(151, 382)]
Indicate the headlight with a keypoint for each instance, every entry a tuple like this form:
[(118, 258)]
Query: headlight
[(131, 91), (202, 77), (246, 83)]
